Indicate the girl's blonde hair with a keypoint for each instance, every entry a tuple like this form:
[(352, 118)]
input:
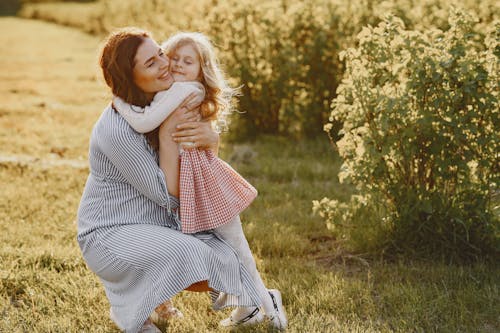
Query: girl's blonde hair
[(218, 94)]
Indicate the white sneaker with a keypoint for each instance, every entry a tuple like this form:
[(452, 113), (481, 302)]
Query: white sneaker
[(277, 319), (254, 317)]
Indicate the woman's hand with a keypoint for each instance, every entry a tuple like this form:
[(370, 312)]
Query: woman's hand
[(200, 133), (179, 116)]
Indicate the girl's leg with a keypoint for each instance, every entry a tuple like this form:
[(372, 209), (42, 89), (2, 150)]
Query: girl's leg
[(232, 233)]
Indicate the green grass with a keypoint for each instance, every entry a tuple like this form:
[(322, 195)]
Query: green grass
[(52, 95)]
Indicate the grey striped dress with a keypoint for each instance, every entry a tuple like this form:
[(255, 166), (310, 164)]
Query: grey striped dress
[(129, 232)]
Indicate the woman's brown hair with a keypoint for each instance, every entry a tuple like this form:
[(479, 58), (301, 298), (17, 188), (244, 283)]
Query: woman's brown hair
[(117, 64)]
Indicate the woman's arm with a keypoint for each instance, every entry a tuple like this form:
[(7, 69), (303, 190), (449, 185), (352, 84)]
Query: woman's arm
[(143, 120), (127, 150)]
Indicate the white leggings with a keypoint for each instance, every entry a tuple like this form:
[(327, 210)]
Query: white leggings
[(232, 233)]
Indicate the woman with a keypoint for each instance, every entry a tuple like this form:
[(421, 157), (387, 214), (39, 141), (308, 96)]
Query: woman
[(211, 193), (128, 226)]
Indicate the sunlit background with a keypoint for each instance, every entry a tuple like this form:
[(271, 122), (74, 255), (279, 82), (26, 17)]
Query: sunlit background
[(369, 128)]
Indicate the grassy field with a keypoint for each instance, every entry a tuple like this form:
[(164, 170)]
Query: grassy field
[(52, 94)]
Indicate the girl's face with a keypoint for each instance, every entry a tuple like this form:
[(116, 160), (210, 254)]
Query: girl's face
[(151, 73), (185, 64)]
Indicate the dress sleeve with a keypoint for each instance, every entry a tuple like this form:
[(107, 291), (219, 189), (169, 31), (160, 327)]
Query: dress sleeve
[(127, 150), (146, 119)]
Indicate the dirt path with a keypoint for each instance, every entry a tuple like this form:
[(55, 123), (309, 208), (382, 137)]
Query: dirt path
[(50, 89), (44, 163)]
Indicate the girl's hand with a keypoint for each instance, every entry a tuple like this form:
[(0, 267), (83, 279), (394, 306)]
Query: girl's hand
[(200, 133)]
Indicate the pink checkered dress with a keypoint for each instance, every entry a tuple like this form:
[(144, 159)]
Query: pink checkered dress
[(211, 192)]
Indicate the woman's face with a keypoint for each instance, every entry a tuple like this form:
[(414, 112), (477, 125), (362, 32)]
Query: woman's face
[(185, 64), (151, 68)]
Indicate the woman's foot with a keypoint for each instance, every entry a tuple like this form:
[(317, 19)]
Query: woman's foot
[(243, 316), (165, 312), (278, 318), (149, 327)]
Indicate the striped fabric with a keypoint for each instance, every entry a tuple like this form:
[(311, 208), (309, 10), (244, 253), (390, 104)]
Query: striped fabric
[(211, 192), (129, 232)]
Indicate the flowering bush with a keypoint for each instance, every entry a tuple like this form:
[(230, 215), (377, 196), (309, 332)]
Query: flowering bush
[(420, 117), (284, 53)]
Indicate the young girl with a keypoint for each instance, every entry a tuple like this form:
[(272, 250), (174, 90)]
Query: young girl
[(212, 194)]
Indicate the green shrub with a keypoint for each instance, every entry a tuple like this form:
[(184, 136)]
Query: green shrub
[(9, 7), (284, 53), (420, 142)]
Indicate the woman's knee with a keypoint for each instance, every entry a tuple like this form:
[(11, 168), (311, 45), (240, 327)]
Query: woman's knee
[(200, 286)]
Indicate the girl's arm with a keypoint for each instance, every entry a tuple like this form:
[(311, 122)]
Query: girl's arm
[(146, 119)]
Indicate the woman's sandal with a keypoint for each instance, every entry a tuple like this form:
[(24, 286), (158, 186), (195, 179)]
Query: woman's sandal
[(149, 327), (165, 312)]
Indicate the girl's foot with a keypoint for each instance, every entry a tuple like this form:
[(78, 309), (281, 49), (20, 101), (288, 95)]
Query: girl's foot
[(243, 316), (278, 318)]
